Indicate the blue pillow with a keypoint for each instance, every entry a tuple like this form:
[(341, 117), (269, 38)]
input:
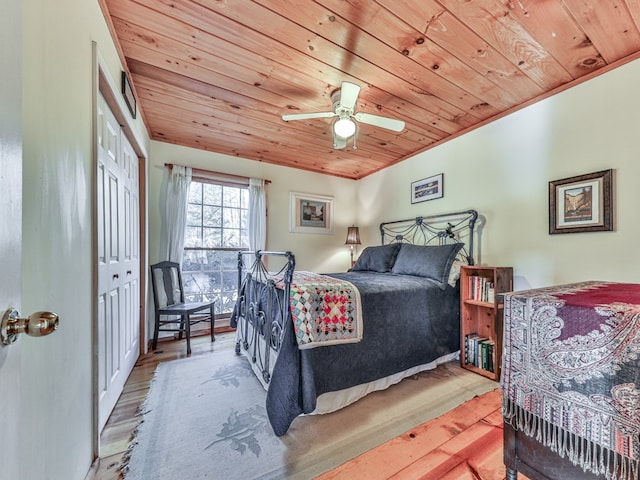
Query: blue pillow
[(432, 262), (377, 259)]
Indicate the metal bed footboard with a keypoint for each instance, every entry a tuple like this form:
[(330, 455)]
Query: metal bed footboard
[(263, 307)]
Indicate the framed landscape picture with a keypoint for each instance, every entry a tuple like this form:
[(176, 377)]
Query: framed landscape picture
[(581, 204), (427, 189), (310, 213)]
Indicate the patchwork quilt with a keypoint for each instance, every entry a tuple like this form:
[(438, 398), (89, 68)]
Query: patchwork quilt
[(325, 310), (571, 372)]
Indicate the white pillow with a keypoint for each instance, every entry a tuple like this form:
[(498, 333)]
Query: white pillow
[(454, 273)]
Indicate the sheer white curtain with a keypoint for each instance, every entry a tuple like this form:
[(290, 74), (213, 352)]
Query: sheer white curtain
[(257, 214), (176, 211)]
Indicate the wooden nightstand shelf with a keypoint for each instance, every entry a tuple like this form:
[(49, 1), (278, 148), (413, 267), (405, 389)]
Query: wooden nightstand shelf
[(481, 317)]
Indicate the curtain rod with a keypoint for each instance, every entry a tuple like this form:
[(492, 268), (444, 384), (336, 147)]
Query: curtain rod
[(197, 172)]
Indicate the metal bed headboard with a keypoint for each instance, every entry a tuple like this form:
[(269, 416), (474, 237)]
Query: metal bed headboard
[(434, 230)]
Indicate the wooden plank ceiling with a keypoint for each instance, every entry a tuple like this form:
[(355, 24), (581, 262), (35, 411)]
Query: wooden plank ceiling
[(218, 75)]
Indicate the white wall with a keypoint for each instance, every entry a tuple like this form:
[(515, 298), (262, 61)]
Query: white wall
[(56, 420), (320, 253), (503, 169)]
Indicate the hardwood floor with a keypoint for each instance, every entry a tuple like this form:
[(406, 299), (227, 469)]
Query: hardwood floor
[(465, 443)]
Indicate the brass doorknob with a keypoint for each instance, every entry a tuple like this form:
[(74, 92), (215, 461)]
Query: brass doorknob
[(38, 324)]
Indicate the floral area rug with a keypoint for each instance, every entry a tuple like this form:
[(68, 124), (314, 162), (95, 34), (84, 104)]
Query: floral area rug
[(204, 418)]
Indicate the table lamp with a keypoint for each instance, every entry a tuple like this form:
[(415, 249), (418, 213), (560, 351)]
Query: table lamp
[(353, 239)]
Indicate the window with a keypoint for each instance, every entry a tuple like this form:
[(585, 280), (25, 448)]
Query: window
[(216, 229)]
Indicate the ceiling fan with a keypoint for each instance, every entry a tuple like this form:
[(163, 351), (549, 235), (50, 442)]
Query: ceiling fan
[(344, 127)]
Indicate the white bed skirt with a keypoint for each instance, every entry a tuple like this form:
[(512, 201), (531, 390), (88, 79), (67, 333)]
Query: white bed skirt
[(332, 401)]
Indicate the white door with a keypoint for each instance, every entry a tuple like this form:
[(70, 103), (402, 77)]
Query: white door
[(118, 260), (10, 280), (130, 257), (10, 228)]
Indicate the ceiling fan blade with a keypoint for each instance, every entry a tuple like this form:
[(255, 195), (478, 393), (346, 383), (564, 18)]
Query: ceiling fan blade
[(305, 116), (378, 121), (349, 95)]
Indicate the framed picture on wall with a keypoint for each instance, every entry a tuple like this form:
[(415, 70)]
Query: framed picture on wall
[(310, 213), (127, 93), (581, 204), (427, 189)]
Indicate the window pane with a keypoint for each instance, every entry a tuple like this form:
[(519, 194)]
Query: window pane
[(231, 238), (231, 196), (230, 262), (212, 194), (211, 216), (244, 219), (195, 285), (213, 260), (244, 240), (192, 261), (212, 237), (195, 192), (194, 215), (193, 237), (211, 283), (231, 218)]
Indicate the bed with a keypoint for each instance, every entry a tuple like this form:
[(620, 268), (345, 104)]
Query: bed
[(571, 382), (394, 314)]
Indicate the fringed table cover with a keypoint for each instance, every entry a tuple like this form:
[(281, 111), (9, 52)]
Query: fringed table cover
[(571, 372)]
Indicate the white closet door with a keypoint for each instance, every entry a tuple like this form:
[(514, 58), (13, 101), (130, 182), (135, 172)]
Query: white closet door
[(118, 260), (131, 257)]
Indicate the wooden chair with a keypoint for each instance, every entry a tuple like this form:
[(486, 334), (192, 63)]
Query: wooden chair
[(168, 299)]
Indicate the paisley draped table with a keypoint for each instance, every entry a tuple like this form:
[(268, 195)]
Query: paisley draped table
[(571, 372)]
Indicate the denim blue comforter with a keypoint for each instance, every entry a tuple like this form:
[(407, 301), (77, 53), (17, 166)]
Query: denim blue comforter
[(408, 321)]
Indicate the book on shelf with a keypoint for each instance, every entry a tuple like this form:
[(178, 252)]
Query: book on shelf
[(468, 339), (491, 344), (486, 358), (481, 289), (479, 351), (491, 295)]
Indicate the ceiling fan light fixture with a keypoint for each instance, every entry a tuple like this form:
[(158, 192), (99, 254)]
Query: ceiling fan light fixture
[(346, 124), (344, 127)]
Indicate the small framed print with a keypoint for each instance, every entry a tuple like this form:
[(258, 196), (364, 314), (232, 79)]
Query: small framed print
[(581, 204), (127, 93), (310, 213), (427, 189)]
